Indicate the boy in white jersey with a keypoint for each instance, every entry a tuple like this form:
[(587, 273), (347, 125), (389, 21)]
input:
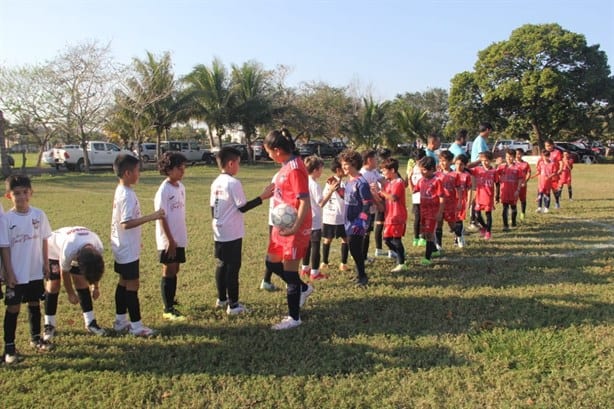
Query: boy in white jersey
[(171, 230), (228, 203), (369, 171), (75, 256), (126, 224), (314, 165), (333, 216), (24, 231)]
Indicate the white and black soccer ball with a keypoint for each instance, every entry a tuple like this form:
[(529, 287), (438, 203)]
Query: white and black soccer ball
[(283, 216)]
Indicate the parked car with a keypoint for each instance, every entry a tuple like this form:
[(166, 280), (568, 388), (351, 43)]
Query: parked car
[(504, 144), (259, 151), (239, 146), (147, 151), (581, 154), (47, 158), (100, 154), (322, 149), (338, 146), (191, 150)]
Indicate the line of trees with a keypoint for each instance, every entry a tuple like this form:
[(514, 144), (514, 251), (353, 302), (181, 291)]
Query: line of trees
[(542, 82)]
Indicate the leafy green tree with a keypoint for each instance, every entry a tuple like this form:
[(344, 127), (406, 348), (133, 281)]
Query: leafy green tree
[(543, 79), (434, 103), (410, 121), (370, 127)]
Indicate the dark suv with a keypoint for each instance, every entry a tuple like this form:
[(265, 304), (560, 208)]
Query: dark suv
[(583, 155), (322, 149)]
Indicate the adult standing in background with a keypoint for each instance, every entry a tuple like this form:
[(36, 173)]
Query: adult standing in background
[(458, 146), (479, 145)]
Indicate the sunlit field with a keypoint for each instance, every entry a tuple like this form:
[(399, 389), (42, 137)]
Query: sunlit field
[(525, 320)]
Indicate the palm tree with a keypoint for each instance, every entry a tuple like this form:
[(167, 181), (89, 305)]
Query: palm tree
[(369, 126), (253, 103), (411, 121), (208, 97)]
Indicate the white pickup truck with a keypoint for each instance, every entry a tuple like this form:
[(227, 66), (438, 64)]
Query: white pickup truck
[(100, 154)]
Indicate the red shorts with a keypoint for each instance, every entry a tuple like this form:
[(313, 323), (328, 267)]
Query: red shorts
[(394, 231), (522, 195), (428, 225), (449, 215), (289, 247), (485, 207)]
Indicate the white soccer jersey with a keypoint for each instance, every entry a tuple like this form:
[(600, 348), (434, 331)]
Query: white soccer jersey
[(172, 199), (65, 243), (226, 197), (416, 175), (315, 194), (125, 243), (24, 234), (371, 176), (333, 211)]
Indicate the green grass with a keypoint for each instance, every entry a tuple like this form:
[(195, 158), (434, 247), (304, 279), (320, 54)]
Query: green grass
[(522, 321)]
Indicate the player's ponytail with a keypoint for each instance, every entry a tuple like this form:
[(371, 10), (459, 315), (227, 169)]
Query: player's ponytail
[(281, 139)]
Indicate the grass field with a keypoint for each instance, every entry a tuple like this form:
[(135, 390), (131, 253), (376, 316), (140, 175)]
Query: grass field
[(525, 320)]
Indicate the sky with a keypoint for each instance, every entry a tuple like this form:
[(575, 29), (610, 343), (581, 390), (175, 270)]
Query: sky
[(382, 48)]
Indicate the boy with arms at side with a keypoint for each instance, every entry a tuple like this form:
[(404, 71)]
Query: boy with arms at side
[(431, 205), (546, 172), (171, 230), (314, 165), (371, 175), (508, 188), (24, 231), (565, 176), (126, 221), (228, 203), (333, 216), (485, 179), (75, 257), (414, 174), (525, 172), (463, 201), (396, 212), (449, 183)]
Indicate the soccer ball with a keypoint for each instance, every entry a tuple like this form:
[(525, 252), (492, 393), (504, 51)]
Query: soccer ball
[(283, 216)]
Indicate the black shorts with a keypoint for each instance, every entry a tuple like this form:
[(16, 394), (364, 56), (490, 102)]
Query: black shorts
[(179, 256), (333, 231), (54, 270), (229, 251), (128, 271), (22, 293), (316, 235)]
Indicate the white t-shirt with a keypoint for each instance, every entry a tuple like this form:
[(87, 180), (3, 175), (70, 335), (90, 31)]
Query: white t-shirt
[(333, 212), (315, 194), (371, 176), (125, 243), (172, 199), (226, 197), (24, 234), (416, 175), (64, 244)]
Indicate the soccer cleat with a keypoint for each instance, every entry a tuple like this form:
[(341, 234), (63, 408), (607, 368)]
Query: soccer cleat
[(173, 315), (236, 310), (48, 332), (546, 210), (522, 217), (10, 355), (318, 276), (557, 206), (323, 267), (287, 323), (473, 227), (538, 210), (461, 242), (41, 345), (143, 332), (506, 228), (421, 242), (380, 253), (362, 282), (392, 254), (221, 304), (482, 231), (305, 270), (93, 328), (436, 254), (400, 268), (121, 326), (267, 286), (487, 235), (343, 267), (305, 295), (426, 262), (416, 242)]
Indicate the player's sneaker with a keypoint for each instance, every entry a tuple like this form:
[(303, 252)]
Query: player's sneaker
[(173, 315), (461, 242), (416, 242), (48, 332), (343, 267), (381, 253), (143, 332), (522, 217), (221, 304), (426, 262), (323, 267), (421, 242), (538, 210), (557, 206), (400, 268), (10, 355), (287, 323), (392, 254), (121, 326), (487, 235), (506, 228), (318, 276), (41, 345), (236, 310), (305, 295), (93, 328), (436, 254), (482, 231), (305, 270), (362, 282), (473, 227), (267, 286), (546, 210)]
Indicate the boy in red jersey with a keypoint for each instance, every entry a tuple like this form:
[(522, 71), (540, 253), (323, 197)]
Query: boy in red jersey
[(464, 189), (485, 179), (449, 182), (547, 171), (395, 220), (525, 171), (508, 188), (555, 157), (431, 205), (565, 176)]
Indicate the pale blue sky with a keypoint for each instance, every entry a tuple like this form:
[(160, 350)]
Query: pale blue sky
[(386, 46)]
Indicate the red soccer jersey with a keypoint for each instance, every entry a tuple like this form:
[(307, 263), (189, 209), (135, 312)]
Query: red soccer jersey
[(485, 180), (565, 176), (449, 183), (509, 179), (430, 193), (546, 172), (464, 187), (396, 211)]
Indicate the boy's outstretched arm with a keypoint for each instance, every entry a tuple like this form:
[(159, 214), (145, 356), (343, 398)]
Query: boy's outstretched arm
[(131, 224)]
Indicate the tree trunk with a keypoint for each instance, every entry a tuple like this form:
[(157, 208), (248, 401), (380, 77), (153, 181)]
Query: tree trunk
[(538, 134), (6, 169)]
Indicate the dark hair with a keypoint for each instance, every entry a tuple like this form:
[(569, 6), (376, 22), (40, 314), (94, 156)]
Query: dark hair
[(447, 155), (169, 161), (313, 162), (461, 134), (486, 154), (123, 163), (91, 264), (549, 141), (510, 152), (546, 152), (281, 139), (432, 137), (335, 164), (427, 163), (352, 157), (390, 163), (226, 154), (520, 150), (463, 158), (420, 153), (369, 153), (485, 126), (15, 181), (384, 153)]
